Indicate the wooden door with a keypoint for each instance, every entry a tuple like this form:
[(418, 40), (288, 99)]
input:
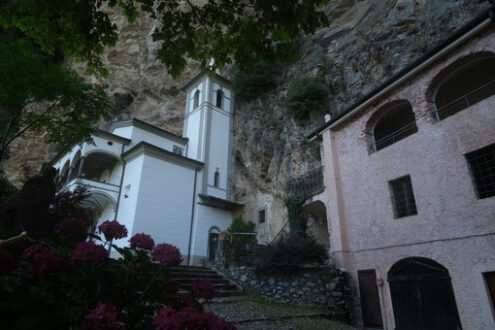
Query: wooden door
[(370, 301), (213, 245), (422, 296)]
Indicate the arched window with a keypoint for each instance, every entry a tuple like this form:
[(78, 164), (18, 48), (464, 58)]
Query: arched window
[(396, 123), (64, 173), (196, 100), (219, 98), (216, 178), (470, 84)]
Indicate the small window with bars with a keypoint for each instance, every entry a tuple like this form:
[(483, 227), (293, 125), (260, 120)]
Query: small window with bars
[(262, 216), (178, 150), (482, 164), (403, 197)]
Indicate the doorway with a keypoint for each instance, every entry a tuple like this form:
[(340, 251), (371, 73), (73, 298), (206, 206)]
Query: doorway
[(370, 301), (213, 245), (422, 295)]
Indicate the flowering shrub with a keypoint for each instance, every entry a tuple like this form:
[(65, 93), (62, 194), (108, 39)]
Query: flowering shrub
[(142, 241), (204, 288), (104, 316), (58, 283), (112, 229), (166, 254), (74, 229), (88, 252)]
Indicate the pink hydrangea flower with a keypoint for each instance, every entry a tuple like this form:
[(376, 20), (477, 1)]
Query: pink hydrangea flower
[(112, 229), (104, 317), (6, 261), (168, 318), (73, 228), (204, 288), (212, 321), (190, 318), (142, 241), (167, 255), (29, 252), (46, 262), (88, 252)]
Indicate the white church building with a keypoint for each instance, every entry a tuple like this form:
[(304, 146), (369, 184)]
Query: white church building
[(174, 188)]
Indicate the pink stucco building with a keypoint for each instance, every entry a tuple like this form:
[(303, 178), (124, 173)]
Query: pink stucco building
[(409, 175)]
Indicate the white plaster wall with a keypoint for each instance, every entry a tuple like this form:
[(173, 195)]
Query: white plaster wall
[(125, 132), (139, 135), (130, 187), (205, 218), (452, 227), (218, 153), (226, 104), (192, 129), (164, 204)]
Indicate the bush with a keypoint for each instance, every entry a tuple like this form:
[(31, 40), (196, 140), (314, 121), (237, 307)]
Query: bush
[(306, 94), (61, 280), (8, 194), (240, 226), (290, 254), (260, 79)]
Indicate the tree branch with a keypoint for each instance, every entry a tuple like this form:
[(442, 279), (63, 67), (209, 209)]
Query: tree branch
[(31, 123)]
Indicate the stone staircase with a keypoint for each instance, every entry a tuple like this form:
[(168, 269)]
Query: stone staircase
[(185, 275)]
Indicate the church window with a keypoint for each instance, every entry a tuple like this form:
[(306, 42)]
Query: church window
[(261, 216), (219, 99), (470, 84), (216, 178), (397, 123), (178, 150), (482, 164), (196, 100), (403, 197)]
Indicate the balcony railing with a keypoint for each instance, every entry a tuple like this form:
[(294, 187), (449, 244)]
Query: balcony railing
[(307, 185), (395, 136), (465, 101)]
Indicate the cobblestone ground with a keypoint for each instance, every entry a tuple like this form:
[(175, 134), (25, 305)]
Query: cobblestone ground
[(254, 313)]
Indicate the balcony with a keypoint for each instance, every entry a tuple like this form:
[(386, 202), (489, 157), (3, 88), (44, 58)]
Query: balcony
[(307, 185)]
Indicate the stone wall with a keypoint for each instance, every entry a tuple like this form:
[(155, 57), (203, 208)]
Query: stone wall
[(323, 286)]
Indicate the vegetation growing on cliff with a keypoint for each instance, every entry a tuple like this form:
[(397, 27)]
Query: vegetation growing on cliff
[(306, 94)]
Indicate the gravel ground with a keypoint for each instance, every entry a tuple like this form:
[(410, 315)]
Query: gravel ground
[(253, 313)]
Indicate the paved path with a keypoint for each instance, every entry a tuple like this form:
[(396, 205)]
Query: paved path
[(254, 313)]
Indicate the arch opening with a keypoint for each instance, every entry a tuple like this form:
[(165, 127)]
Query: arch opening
[(467, 85), (396, 123), (422, 295), (196, 100), (219, 99), (101, 167)]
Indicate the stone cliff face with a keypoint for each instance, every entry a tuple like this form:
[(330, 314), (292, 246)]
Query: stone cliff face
[(366, 42)]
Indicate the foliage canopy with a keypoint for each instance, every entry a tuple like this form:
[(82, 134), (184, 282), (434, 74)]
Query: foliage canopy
[(246, 31), (306, 94)]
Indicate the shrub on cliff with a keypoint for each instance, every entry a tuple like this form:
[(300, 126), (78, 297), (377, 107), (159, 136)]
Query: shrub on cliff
[(256, 81), (290, 254), (306, 94)]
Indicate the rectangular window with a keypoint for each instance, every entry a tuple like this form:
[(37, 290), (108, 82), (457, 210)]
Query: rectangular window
[(261, 216), (403, 197), (482, 164), (178, 150)]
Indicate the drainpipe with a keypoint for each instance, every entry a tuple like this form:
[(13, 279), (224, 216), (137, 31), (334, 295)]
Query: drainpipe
[(121, 182), (192, 215)]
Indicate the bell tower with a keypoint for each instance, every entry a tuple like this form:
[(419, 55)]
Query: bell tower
[(208, 126)]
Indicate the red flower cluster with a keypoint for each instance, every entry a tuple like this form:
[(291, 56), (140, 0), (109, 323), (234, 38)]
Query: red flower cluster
[(142, 241), (189, 318), (88, 251), (204, 288), (72, 228), (6, 261), (104, 317), (112, 229), (166, 254), (44, 261)]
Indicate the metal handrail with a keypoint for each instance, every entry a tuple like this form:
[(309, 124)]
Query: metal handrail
[(464, 97), (392, 135), (279, 233), (307, 184)]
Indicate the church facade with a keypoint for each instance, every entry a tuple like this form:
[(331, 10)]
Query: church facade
[(174, 188), (409, 175)]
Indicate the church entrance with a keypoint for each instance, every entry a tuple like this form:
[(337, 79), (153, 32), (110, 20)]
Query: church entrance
[(213, 245), (422, 295)]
